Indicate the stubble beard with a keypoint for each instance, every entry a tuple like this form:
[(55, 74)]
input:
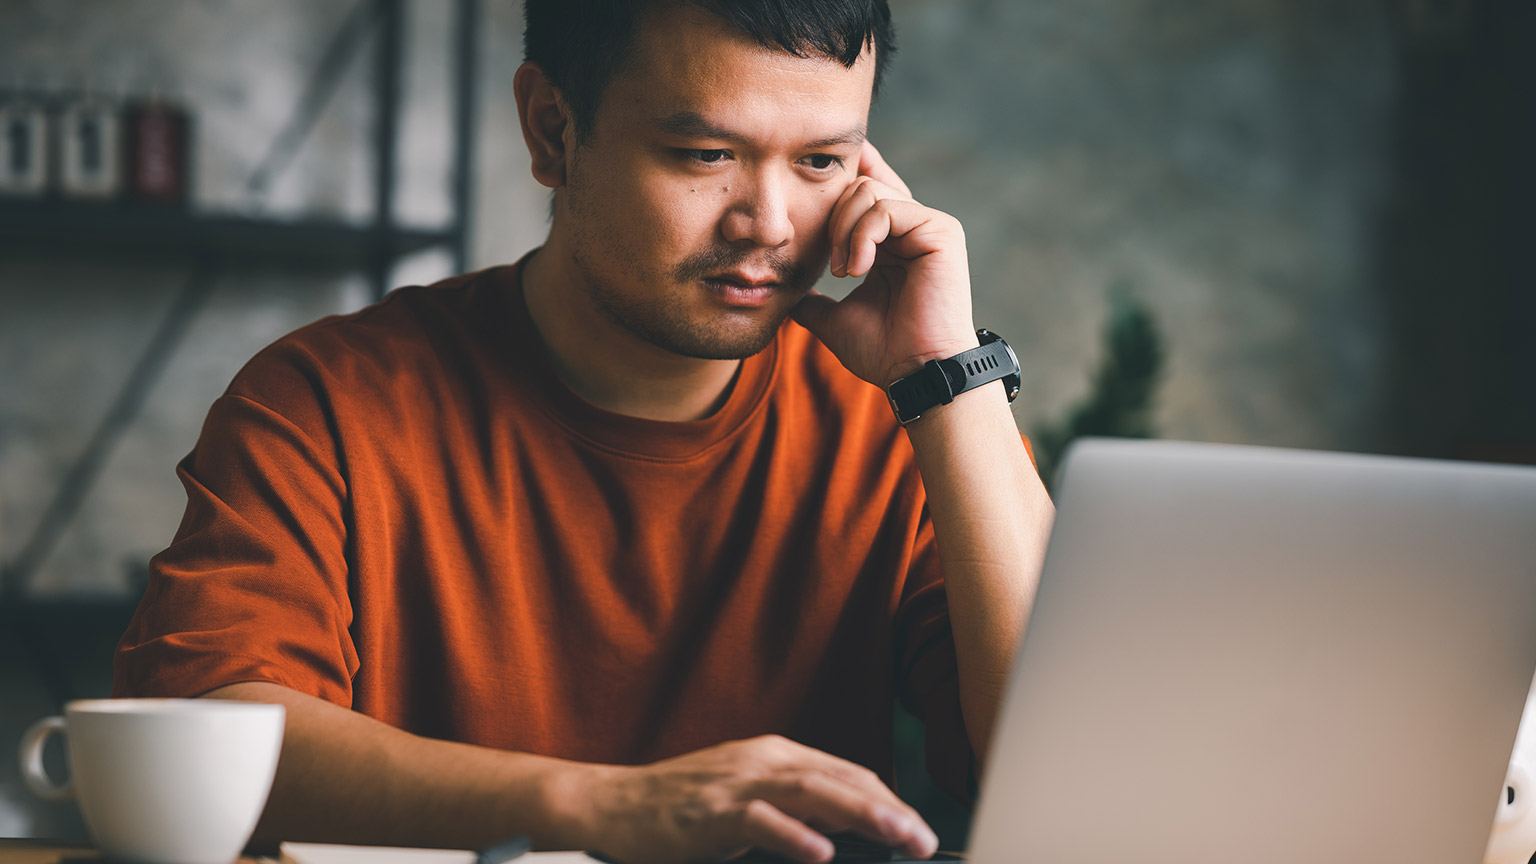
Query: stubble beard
[(659, 315)]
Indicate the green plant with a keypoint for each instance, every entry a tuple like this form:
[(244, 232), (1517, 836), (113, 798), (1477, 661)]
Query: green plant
[(1120, 404)]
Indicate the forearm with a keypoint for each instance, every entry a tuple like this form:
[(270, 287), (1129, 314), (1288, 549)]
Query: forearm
[(992, 519), (346, 778)]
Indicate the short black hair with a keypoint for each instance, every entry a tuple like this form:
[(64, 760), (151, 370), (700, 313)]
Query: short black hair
[(582, 44)]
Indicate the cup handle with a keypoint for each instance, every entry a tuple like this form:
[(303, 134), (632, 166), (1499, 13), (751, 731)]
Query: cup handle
[(31, 758), (1515, 797)]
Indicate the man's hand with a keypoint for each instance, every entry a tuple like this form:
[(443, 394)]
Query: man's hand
[(915, 304), (347, 778), (769, 793)]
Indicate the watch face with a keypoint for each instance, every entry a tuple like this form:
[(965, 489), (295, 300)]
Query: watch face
[(1011, 381)]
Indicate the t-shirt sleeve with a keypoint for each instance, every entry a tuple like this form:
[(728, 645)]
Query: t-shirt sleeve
[(254, 585)]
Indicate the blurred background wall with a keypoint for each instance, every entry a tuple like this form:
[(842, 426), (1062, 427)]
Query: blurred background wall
[(1307, 217)]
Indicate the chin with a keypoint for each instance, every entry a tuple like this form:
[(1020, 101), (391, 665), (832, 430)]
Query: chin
[(718, 343), (725, 349)]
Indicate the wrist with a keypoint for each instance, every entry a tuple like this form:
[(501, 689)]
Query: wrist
[(985, 404), (939, 350), (941, 379), (573, 806)]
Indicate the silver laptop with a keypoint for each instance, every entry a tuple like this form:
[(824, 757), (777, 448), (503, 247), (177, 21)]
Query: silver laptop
[(1255, 655)]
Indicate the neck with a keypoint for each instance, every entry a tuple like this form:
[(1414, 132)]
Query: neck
[(603, 362)]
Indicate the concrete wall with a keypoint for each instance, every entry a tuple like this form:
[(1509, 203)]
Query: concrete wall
[(1222, 161)]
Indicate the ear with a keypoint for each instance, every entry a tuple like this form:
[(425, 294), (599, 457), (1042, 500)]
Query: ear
[(545, 119)]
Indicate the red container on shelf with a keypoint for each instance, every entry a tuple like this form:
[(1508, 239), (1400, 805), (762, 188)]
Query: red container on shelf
[(158, 145)]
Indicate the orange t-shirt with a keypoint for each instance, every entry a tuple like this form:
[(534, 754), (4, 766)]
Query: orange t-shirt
[(405, 512)]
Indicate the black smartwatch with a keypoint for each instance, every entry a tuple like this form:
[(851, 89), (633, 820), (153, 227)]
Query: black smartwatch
[(940, 381)]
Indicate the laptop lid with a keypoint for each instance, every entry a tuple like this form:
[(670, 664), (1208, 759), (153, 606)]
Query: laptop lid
[(1261, 655)]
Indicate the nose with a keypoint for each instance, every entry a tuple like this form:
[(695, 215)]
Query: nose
[(758, 213)]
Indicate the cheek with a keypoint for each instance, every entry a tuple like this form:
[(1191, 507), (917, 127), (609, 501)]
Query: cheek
[(679, 211), (815, 212), (655, 221)]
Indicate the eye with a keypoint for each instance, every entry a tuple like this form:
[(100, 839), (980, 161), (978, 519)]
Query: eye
[(823, 161), (707, 157)]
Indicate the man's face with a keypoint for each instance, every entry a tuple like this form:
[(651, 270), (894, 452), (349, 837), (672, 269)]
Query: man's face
[(697, 210)]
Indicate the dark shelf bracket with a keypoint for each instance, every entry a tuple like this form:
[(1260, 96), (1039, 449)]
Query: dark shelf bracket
[(17, 578), (322, 86), (467, 99), (389, 61)]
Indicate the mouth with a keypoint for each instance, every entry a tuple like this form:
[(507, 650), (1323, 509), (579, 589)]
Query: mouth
[(742, 289)]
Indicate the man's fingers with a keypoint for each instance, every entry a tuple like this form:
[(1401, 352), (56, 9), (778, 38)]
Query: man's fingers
[(844, 796), (913, 833), (911, 229), (856, 200), (835, 806), (853, 774), (872, 229), (766, 827), (864, 780), (873, 165), (853, 203), (868, 215)]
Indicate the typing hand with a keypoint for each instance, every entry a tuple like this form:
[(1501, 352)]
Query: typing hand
[(914, 304), (851, 849), (767, 793)]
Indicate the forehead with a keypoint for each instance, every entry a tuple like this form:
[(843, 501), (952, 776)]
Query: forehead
[(686, 59)]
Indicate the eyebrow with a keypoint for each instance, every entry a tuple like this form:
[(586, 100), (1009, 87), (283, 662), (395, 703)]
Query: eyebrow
[(690, 124)]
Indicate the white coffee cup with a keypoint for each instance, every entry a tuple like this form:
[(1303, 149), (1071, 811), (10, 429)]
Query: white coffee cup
[(162, 781)]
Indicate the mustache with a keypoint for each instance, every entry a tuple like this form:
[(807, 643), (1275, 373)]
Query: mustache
[(718, 258)]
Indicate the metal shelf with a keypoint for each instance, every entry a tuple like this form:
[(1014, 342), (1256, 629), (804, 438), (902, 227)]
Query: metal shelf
[(54, 229), (50, 229)]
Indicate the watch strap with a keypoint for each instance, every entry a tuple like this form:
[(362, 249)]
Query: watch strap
[(940, 381)]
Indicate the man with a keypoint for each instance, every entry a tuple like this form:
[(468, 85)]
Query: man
[(598, 548)]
